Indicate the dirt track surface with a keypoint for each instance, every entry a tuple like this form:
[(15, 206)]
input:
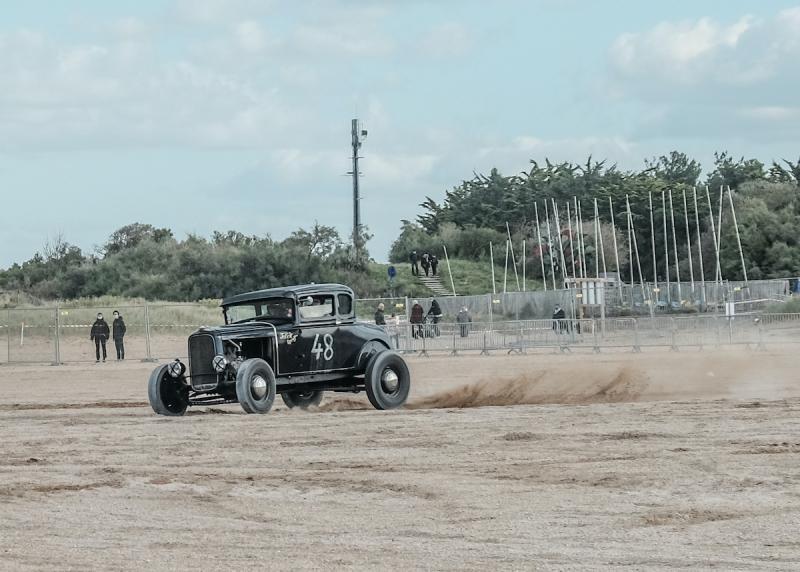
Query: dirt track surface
[(652, 461)]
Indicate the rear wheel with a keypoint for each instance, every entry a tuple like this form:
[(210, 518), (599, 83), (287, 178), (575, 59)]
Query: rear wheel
[(255, 386), (301, 399), (167, 395), (387, 380)]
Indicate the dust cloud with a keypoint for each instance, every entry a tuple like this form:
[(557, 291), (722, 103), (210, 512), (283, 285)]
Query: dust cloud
[(626, 384)]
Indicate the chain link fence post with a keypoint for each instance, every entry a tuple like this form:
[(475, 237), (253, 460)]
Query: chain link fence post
[(8, 336), (149, 355), (56, 339)]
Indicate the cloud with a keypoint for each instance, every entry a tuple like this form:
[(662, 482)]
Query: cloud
[(450, 39), (712, 76)]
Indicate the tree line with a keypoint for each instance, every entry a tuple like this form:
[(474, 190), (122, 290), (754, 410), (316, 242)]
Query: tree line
[(767, 210), (139, 260)]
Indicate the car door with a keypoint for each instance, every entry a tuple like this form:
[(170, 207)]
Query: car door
[(317, 343)]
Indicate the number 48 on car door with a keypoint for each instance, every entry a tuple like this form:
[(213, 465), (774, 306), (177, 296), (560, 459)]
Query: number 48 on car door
[(322, 348)]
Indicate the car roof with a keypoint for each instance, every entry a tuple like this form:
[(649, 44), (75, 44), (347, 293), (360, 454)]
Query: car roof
[(287, 292)]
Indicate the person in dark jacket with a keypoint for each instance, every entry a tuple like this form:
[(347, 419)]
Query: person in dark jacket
[(435, 313), (99, 333), (426, 262), (380, 318), (416, 319), (434, 264), (414, 266), (118, 330), (464, 319), (558, 319)]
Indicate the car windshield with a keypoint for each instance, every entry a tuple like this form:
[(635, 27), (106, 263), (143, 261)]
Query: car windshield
[(271, 309)]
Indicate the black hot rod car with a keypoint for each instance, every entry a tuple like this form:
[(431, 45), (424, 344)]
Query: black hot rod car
[(297, 341)]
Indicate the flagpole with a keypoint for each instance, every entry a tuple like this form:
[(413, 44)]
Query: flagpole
[(550, 244), (738, 238), (688, 239), (571, 242), (541, 252), (675, 247), (699, 248), (666, 245)]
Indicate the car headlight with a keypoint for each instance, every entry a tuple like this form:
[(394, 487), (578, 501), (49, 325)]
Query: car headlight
[(219, 363), (176, 369)]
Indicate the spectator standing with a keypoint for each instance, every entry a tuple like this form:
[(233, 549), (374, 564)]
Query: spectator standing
[(434, 264), (99, 334), (435, 313), (426, 262), (380, 319), (414, 266), (118, 330), (464, 319), (558, 319), (416, 319)]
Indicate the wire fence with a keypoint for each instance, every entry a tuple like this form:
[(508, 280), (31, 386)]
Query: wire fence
[(498, 322)]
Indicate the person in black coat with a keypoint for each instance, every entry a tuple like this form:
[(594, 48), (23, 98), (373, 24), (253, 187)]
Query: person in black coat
[(118, 330), (434, 264), (558, 319), (99, 333), (414, 266), (435, 313), (380, 318), (426, 262)]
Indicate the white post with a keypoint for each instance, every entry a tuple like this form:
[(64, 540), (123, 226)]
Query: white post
[(582, 273), (523, 265), (719, 232), (666, 245), (675, 247), (630, 246), (541, 252), (653, 241), (596, 247), (491, 260), (614, 233), (699, 248), (636, 249), (563, 264), (738, 238), (550, 244), (602, 248), (513, 259), (582, 241), (449, 271), (571, 242), (688, 240), (505, 270), (718, 271), (21, 336)]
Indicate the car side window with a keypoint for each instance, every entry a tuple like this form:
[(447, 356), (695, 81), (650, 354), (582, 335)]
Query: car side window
[(345, 305), (316, 307)]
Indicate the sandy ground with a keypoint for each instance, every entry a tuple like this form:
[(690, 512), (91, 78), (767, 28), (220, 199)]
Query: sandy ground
[(649, 461)]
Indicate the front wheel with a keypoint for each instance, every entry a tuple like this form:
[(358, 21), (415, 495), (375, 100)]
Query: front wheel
[(387, 380), (301, 399), (255, 386), (167, 395)]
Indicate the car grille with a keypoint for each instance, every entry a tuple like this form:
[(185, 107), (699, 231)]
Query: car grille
[(201, 354)]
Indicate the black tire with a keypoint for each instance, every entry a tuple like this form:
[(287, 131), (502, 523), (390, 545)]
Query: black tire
[(301, 399), (386, 393), (255, 386), (167, 395)]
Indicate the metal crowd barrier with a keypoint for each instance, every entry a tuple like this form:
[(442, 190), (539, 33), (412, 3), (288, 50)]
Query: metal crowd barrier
[(158, 332), (597, 334)]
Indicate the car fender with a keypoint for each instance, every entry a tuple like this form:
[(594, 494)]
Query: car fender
[(368, 350)]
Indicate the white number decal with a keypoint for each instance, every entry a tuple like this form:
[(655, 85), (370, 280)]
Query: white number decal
[(327, 351)]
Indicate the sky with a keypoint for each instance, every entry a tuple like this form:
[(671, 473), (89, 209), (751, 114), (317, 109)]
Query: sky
[(203, 115)]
